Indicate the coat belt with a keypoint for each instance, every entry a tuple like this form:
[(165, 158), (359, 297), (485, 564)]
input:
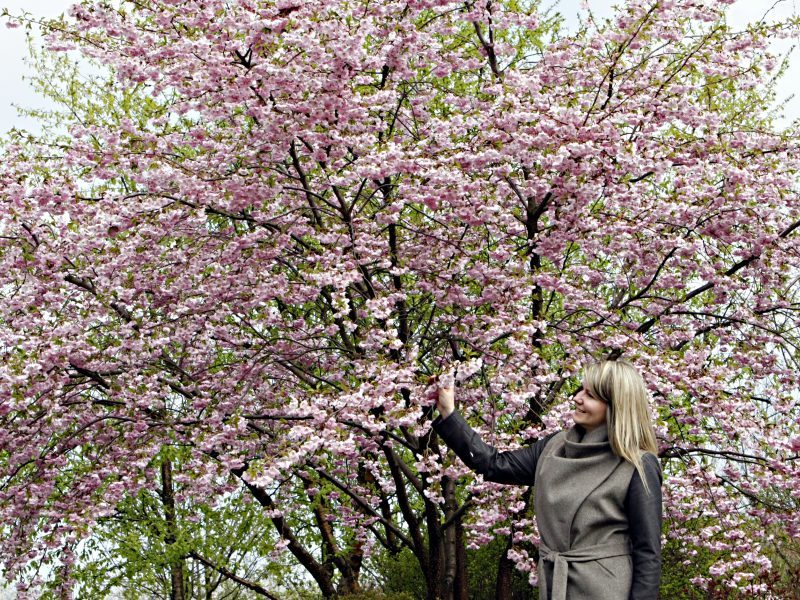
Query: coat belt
[(561, 562)]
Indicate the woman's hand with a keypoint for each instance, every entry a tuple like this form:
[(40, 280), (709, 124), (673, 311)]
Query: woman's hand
[(446, 402)]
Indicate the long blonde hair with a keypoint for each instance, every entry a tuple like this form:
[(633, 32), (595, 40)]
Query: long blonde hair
[(630, 430)]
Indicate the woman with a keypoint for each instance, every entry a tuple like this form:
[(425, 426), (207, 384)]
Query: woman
[(598, 488)]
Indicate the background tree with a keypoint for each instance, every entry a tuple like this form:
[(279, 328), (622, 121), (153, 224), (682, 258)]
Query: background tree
[(306, 209), (157, 546)]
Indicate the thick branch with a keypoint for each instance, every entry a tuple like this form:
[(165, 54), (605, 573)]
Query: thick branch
[(365, 507), (756, 498), (453, 518), (232, 576), (488, 46), (88, 285), (676, 452), (317, 219), (332, 552), (93, 375), (647, 325), (405, 505), (322, 576)]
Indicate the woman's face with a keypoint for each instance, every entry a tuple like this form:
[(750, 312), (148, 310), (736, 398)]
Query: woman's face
[(589, 411)]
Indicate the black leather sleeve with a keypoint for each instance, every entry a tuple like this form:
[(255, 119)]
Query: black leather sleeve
[(513, 467), (644, 520)]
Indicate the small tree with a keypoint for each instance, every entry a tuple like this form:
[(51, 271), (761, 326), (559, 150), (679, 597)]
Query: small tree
[(157, 545)]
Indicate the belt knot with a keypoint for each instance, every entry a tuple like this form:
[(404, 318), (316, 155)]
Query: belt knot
[(561, 562)]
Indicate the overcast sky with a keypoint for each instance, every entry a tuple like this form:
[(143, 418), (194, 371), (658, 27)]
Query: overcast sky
[(14, 90)]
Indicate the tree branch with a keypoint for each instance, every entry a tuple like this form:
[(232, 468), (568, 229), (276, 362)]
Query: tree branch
[(322, 576), (365, 507), (250, 585)]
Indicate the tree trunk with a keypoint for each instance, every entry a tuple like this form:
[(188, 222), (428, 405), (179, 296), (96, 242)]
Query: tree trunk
[(505, 571), (461, 590), (453, 584), (349, 581), (176, 567), (505, 568), (449, 537), (435, 567)]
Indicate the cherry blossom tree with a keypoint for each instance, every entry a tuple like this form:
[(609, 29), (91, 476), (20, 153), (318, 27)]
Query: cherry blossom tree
[(294, 213)]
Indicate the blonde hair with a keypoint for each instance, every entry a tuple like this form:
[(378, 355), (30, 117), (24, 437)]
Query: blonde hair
[(630, 430)]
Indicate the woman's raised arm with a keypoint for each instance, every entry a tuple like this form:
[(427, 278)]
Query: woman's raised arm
[(511, 467)]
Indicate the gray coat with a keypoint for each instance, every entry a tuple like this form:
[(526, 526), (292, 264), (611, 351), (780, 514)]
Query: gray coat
[(600, 530)]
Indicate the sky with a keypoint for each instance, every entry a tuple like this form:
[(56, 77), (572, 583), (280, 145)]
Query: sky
[(13, 48)]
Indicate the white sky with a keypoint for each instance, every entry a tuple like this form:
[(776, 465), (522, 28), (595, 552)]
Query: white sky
[(13, 49)]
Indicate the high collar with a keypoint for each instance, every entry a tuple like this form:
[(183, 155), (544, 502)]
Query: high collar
[(580, 443)]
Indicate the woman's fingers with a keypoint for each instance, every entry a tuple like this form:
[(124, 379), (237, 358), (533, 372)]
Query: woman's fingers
[(441, 389), (446, 402), (446, 380)]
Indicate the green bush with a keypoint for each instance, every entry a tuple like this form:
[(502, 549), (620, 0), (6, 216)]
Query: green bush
[(401, 574)]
